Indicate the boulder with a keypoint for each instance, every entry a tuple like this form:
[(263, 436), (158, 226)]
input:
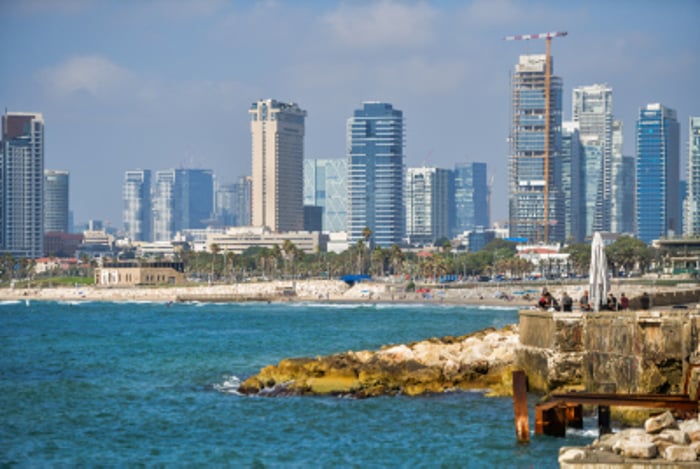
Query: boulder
[(678, 453), (660, 422), (571, 455), (677, 437), (689, 426), (694, 436), (638, 449)]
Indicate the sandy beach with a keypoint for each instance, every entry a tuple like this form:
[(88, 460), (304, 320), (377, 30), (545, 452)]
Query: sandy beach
[(492, 294)]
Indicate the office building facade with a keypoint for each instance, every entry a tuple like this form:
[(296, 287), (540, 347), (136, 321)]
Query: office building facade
[(657, 168), (427, 205), (470, 198), (375, 139), (138, 214), (182, 199), (692, 200), (22, 184), (277, 134), (325, 185), (592, 110), (233, 203), (572, 182), (56, 184), (536, 202)]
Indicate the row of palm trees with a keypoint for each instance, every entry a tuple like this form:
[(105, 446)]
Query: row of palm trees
[(289, 262)]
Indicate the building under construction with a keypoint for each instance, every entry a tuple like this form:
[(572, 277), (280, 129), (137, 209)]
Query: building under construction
[(536, 202)]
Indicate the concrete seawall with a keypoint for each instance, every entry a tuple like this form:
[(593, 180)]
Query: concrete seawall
[(653, 351)]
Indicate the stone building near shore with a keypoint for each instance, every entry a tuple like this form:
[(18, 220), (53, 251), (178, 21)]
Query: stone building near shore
[(122, 274)]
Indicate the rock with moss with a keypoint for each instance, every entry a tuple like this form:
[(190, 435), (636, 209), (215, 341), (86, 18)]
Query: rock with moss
[(482, 360)]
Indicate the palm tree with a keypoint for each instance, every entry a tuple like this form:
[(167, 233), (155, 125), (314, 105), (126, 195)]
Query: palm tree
[(288, 249), (214, 248), (397, 257)]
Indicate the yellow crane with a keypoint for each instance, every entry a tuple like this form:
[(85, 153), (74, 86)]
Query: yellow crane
[(547, 93)]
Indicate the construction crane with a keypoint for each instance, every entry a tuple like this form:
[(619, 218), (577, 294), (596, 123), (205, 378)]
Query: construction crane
[(547, 93)]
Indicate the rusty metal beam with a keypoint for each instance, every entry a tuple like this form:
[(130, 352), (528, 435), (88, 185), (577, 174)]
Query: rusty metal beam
[(656, 401), (522, 421)]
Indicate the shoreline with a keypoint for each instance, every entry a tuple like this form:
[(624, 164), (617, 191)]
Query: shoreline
[(321, 291)]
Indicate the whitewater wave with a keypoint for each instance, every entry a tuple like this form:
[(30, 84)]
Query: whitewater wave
[(9, 302), (230, 385)]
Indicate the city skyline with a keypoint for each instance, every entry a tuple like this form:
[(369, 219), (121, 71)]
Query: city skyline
[(158, 98)]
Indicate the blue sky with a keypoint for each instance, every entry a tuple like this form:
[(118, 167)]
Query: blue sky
[(162, 84)]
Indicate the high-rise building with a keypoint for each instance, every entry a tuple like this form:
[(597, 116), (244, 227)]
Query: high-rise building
[(572, 182), (375, 138), (692, 201), (622, 186), (426, 202), (658, 149), (470, 199), (233, 203), (277, 131), (225, 197), (592, 110), (325, 186), (536, 202), (244, 195), (138, 214), (22, 184), (55, 201), (182, 199)]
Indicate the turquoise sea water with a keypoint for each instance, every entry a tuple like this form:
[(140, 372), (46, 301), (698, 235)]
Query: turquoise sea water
[(147, 383)]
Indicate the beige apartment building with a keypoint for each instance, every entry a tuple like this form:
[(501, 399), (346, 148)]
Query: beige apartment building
[(277, 131)]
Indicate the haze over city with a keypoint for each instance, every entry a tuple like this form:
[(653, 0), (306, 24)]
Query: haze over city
[(161, 84)]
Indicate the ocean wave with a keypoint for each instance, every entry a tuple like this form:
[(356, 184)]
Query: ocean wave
[(9, 302), (230, 385)]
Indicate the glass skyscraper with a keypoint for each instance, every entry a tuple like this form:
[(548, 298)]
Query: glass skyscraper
[(375, 138), (55, 201), (471, 198), (529, 179), (658, 149), (22, 184), (572, 182), (692, 202), (182, 199), (427, 204), (325, 186), (233, 203), (592, 110), (136, 193)]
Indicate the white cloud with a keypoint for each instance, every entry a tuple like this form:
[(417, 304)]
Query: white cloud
[(386, 23), (93, 75)]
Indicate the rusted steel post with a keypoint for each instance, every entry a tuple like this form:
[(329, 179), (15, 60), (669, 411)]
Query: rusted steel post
[(604, 420), (550, 419), (522, 422), (574, 415)]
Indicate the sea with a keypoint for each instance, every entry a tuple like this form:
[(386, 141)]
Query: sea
[(155, 384)]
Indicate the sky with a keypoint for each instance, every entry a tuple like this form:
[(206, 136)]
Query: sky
[(164, 84)]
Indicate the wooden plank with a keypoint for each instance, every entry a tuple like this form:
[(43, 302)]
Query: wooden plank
[(522, 421), (657, 401)]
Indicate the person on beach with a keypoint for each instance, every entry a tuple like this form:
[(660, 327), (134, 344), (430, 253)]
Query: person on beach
[(584, 303), (566, 302), (624, 302), (612, 302)]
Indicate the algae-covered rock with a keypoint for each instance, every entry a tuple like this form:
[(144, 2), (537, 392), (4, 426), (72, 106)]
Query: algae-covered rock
[(478, 360)]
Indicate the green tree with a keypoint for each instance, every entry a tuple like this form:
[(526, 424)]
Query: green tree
[(579, 257), (627, 252)]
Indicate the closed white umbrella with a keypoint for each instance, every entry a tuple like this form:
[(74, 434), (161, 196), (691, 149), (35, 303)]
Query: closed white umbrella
[(599, 283)]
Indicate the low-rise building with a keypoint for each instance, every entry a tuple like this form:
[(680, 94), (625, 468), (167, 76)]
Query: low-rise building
[(240, 238), (122, 274)]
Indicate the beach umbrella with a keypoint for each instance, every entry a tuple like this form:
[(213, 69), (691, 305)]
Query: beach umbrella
[(599, 283)]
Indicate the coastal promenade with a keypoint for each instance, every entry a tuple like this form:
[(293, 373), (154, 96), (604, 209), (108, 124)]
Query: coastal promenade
[(488, 294)]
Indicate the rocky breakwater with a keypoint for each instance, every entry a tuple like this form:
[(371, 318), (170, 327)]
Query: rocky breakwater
[(663, 442), (481, 360)]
